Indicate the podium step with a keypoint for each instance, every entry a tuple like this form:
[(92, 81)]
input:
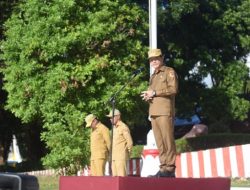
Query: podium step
[(127, 183)]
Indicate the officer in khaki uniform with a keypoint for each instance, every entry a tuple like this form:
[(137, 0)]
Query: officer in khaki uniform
[(122, 145), (99, 145), (163, 87)]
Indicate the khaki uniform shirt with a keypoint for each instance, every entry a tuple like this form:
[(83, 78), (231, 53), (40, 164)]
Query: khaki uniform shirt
[(165, 84), (122, 142), (100, 142)]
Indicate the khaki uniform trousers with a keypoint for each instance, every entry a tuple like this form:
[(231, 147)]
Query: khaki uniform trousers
[(97, 167), (119, 168), (164, 137)]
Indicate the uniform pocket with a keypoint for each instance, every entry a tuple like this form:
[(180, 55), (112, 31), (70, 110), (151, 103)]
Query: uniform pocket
[(163, 82)]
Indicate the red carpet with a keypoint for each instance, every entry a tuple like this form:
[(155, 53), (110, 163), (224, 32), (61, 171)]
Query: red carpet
[(139, 183)]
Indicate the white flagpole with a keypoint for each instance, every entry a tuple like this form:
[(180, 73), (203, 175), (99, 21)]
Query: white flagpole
[(152, 26)]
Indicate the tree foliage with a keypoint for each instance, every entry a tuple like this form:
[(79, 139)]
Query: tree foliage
[(208, 38), (63, 60), (8, 123)]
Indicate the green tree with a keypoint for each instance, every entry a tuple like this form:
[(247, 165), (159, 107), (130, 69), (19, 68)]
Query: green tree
[(65, 59), (28, 135), (209, 37), (8, 123)]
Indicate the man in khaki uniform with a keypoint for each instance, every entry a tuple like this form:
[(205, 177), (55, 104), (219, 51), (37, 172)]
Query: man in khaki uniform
[(122, 144), (99, 145), (161, 93)]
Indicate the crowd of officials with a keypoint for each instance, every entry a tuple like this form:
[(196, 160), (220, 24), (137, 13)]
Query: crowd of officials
[(163, 87)]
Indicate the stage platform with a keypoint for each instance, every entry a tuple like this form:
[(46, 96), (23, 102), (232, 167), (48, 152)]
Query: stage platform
[(142, 183)]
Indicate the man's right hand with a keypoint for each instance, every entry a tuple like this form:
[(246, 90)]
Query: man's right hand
[(147, 95)]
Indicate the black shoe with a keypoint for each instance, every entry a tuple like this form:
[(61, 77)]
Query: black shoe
[(163, 174), (156, 175), (167, 174)]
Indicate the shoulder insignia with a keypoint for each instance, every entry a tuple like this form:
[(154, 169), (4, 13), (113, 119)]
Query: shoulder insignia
[(171, 74)]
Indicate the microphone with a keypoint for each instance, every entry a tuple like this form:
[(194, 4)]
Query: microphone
[(136, 72)]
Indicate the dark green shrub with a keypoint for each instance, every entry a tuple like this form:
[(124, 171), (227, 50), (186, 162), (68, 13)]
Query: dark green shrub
[(136, 151), (22, 167), (211, 141), (202, 143)]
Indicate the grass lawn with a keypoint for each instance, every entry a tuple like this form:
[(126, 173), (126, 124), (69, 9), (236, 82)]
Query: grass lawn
[(240, 182), (52, 182), (48, 182)]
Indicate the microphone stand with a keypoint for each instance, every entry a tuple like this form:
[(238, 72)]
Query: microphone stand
[(113, 100)]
